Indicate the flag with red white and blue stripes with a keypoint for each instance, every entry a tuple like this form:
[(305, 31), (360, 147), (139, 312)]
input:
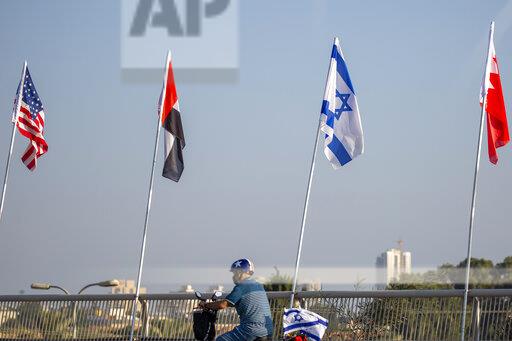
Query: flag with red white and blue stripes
[(30, 121)]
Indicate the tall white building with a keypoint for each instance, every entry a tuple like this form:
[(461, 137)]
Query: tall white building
[(391, 264)]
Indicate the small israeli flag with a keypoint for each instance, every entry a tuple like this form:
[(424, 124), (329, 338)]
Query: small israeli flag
[(307, 322), (340, 120)]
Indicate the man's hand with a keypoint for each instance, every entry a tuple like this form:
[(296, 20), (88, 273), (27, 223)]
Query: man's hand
[(217, 305)]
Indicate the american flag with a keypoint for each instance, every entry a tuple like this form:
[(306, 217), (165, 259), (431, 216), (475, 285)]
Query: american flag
[(30, 122)]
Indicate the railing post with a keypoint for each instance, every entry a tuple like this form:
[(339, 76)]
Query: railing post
[(144, 317), (74, 319), (476, 319)]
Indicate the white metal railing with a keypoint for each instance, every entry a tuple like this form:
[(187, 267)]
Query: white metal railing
[(353, 315)]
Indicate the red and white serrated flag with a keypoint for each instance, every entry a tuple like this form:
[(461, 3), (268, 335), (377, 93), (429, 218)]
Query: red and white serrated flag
[(492, 95)]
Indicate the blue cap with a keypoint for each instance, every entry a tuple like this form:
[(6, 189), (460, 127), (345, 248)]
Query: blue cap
[(244, 265)]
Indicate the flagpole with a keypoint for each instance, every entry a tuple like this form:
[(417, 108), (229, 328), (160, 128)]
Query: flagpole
[(304, 215), (473, 200), (148, 207), (306, 204), (13, 134)]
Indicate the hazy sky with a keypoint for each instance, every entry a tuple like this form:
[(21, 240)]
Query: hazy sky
[(416, 67)]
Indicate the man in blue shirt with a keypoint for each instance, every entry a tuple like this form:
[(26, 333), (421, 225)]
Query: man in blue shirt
[(251, 303)]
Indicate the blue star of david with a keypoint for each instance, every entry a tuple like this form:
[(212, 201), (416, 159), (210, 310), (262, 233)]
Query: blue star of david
[(344, 104), (298, 318)]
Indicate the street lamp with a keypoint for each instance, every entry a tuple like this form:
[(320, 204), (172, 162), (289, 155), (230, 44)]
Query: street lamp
[(104, 284), (48, 286)]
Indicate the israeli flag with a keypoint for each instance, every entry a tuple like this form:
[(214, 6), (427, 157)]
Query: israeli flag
[(340, 120), (307, 322)]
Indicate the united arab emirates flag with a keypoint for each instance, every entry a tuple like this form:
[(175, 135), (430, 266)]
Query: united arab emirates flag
[(174, 140)]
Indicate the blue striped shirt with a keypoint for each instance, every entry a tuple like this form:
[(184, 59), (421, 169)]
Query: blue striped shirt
[(251, 304)]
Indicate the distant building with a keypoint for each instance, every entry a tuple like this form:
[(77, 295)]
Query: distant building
[(184, 308), (119, 311), (216, 288), (127, 287), (187, 288), (312, 286), (391, 264)]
